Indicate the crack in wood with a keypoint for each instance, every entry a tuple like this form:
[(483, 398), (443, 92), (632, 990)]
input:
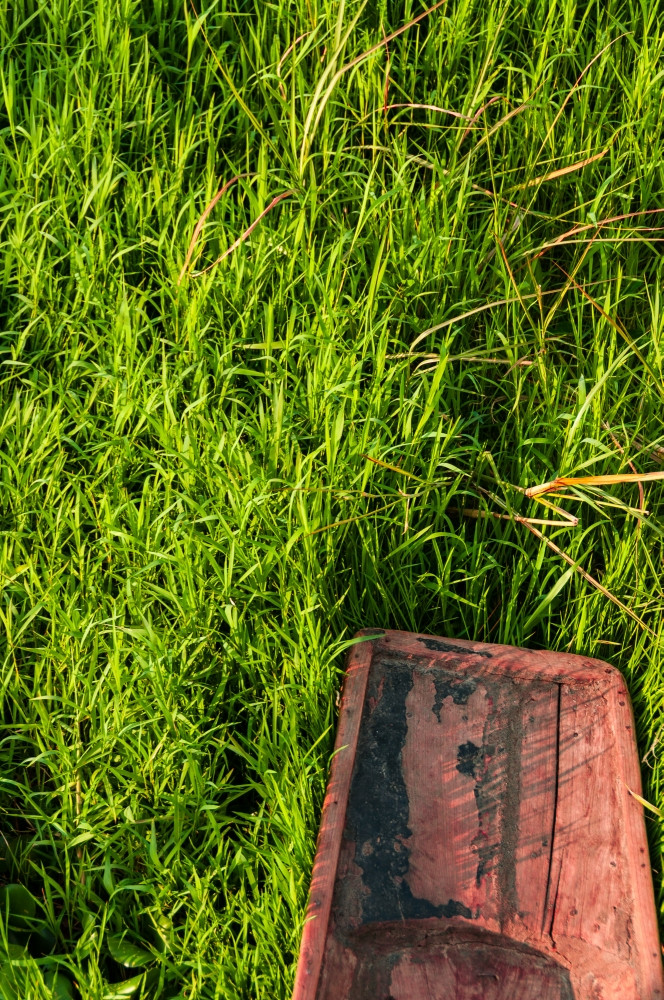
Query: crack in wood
[(549, 929)]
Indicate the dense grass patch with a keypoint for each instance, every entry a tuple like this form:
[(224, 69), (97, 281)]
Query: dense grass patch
[(209, 484)]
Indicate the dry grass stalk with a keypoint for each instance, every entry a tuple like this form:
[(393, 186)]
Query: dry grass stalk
[(395, 468), (617, 326), (389, 38), (388, 67), (477, 114), (427, 107), (201, 222), (317, 106), (645, 804), (283, 59), (575, 87), (555, 174), (575, 230), (243, 236), (352, 520), (435, 358), (474, 312), (474, 512), (622, 477)]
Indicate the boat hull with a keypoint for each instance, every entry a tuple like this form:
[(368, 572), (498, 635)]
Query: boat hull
[(479, 838)]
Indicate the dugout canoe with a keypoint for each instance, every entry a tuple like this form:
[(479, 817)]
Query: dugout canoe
[(479, 839)]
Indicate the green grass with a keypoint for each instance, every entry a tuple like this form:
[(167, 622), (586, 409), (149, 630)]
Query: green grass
[(191, 528)]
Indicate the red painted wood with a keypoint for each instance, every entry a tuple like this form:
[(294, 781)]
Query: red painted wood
[(478, 839), (331, 828)]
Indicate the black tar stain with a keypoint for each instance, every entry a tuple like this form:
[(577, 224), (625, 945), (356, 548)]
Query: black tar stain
[(377, 812), (443, 646), (448, 686), (470, 759)]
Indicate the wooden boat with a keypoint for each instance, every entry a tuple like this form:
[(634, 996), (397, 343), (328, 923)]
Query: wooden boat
[(479, 840)]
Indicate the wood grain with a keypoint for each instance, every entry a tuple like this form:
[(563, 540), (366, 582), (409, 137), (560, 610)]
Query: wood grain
[(478, 839)]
